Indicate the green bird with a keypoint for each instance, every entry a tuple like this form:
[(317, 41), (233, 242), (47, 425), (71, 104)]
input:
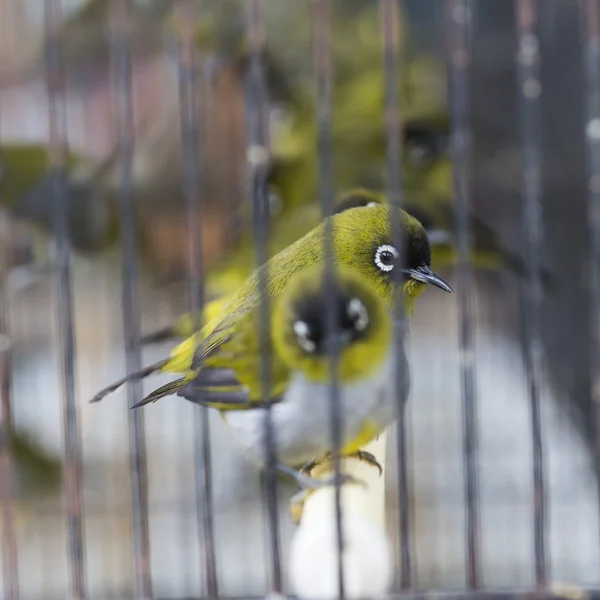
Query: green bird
[(221, 363)]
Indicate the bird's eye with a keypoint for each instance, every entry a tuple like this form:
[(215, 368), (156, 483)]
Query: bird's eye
[(358, 313), (302, 333), (385, 257)]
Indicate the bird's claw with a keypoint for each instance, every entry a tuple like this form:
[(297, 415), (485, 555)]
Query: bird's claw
[(368, 458), (361, 455)]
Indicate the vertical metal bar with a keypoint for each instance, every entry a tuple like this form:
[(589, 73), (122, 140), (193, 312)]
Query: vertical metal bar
[(529, 92), (190, 140), (323, 68), (258, 161), (459, 17), (10, 562), (591, 19), (58, 155), (390, 15), (390, 19), (10, 567), (121, 64)]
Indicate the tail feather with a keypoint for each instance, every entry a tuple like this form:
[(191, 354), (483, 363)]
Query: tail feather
[(164, 390), (141, 374), (218, 397)]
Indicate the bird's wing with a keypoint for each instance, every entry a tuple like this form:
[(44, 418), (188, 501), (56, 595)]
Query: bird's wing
[(226, 366), (227, 373)]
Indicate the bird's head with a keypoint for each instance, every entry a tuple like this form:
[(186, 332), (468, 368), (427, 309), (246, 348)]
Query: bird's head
[(364, 240)]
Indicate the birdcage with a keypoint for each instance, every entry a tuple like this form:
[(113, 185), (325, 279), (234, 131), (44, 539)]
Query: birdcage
[(211, 125)]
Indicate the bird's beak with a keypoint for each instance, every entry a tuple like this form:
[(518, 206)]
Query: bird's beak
[(426, 275)]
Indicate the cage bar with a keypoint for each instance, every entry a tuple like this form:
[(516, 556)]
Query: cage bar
[(324, 76), (591, 30), (459, 17), (258, 163), (10, 564), (58, 148), (390, 22), (10, 560), (529, 92), (122, 74), (190, 140)]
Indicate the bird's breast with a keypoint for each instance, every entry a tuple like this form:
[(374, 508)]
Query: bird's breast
[(302, 420)]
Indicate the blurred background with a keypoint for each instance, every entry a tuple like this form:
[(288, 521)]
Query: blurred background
[(435, 433)]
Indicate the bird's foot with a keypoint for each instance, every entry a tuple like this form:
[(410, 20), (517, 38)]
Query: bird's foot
[(366, 457), (309, 483), (326, 462)]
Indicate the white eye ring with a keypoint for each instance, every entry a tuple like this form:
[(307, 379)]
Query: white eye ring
[(302, 331), (358, 311), (380, 264), (372, 204)]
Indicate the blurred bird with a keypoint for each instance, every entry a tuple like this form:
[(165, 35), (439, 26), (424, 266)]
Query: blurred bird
[(27, 187), (221, 364)]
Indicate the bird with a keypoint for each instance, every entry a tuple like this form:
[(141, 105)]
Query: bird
[(27, 186), (221, 363)]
